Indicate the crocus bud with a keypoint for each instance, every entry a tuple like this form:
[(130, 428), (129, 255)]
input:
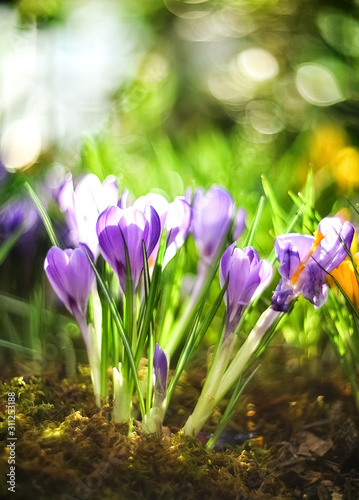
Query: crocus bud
[(16, 213), (213, 214), (116, 226), (177, 224), (175, 217), (71, 277), (160, 371), (248, 277)]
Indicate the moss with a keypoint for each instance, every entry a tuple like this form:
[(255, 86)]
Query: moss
[(67, 448)]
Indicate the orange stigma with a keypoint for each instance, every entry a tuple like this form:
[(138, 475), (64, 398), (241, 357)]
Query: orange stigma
[(318, 236)]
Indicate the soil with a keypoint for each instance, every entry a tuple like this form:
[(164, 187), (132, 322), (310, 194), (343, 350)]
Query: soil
[(294, 436)]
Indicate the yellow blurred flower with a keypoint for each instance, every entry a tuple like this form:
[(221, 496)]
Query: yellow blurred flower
[(345, 276), (332, 158), (345, 273), (346, 167), (325, 144)]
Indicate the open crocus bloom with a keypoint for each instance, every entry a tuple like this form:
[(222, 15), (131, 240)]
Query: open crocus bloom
[(16, 213), (175, 217), (248, 277), (116, 226), (83, 205), (305, 261), (71, 277)]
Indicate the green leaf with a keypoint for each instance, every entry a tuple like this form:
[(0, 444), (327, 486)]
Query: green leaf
[(170, 303), (255, 222), (152, 297), (9, 243), (309, 198), (119, 324), (151, 339), (19, 348), (43, 214), (230, 409), (91, 157), (128, 298), (278, 214), (354, 207), (194, 338)]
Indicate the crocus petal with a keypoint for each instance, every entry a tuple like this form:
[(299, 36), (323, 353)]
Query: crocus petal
[(83, 205), (71, 277), (111, 241), (282, 295), (224, 264), (116, 226), (65, 197), (290, 250), (266, 275), (66, 201), (155, 200), (177, 223), (154, 229), (160, 367), (135, 228), (110, 191), (82, 274), (314, 289), (305, 260), (212, 216), (248, 277), (338, 239), (55, 266)]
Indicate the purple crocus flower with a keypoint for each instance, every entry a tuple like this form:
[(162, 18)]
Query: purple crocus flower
[(248, 277), (83, 205), (20, 215), (71, 277), (305, 261), (213, 214), (178, 222), (160, 368), (175, 217), (114, 226)]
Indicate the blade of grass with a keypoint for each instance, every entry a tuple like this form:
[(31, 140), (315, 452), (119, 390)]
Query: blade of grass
[(309, 198), (9, 243), (278, 214), (43, 214), (194, 338), (151, 339), (128, 322), (255, 222), (152, 297), (19, 348)]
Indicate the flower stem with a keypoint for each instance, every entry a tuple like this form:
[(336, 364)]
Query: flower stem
[(187, 315), (220, 378)]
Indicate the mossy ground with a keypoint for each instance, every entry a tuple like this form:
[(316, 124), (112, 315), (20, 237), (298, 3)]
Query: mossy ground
[(306, 442)]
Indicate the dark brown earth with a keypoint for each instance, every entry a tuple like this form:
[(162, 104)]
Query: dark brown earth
[(295, 435)]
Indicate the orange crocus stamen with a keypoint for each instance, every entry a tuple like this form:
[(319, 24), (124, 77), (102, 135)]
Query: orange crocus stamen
[(318, 236)]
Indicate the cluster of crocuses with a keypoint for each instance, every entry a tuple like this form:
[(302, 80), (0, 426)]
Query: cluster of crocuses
[(127, 324)]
